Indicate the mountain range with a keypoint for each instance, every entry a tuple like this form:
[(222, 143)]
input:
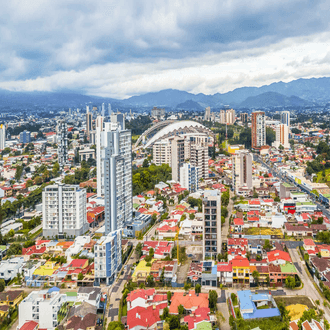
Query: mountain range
[(300, 92)]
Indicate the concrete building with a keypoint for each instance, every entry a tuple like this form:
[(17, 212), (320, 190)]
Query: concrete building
[(162, 152), (189, 177), (42, 307), (25, 137), (207, 115), (212, 224), (285, 118), (116, 173), (222, 116), (244, 117), (2, 136), (89, 123), (157, 112), (199, 158), (86, 154), (242, 170), (107, 257), (282, 136), (62, 149), (177, 156), (230, 116), (64, 210), (99, 163), (258, 131)]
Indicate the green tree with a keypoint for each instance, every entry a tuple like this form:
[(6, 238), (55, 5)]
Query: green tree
[(308, 315), (290, 282), (80, 276), (138, 250), (116, 325), (2, 284), (213, 297), (256, 275), (267, 245), (169, 296), (187, 286), (165, 314), (180, 309), (198, 288), (150, 281), (191, 216)]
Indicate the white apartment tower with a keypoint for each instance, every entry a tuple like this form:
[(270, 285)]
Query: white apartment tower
[(222, 117), (258, 129), (212, 224), (230, 116), (282, 136), (99, 164), (62, 149), (207, 115), (2, 136), (115, 177), (64, 210), (285, 118), (199, 157), (189, 177), (177, 156), (242, 170)]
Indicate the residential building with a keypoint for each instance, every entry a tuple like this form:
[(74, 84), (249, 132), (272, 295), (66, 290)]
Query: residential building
[(91, 295), (241, 270), (177, 156), (89, 123), (107, 257), (189, 177), (230, 116), (64, 210), (286, 189), (25, 137), (162, 152), (207, 115), (10, 268), (190, 301), (62, 149), (199, 157), (282, 136), (258, 131), (2, 136), (222, 116), (212, 224), (42, 307), (244, 117), (285, 118), (157, 112), (115, 177), (242, 170), (99, 163)]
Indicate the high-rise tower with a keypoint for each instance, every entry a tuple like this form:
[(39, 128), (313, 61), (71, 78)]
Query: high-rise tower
[(258, 131), (62, 149)]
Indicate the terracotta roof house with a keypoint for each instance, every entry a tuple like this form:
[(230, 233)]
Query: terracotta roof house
[(189, 301)]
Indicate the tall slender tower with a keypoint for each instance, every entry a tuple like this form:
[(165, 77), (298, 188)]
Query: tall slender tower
[(109, 109), (258, 131), (103, 110), (99, 164), (2, 136), (62, 149), (285, 118)]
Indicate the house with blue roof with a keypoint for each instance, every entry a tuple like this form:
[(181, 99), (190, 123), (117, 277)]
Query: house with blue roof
[(256, 305)]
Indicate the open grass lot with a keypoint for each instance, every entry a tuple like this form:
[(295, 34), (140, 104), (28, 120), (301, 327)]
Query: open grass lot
[(303, 300), (263, 231)]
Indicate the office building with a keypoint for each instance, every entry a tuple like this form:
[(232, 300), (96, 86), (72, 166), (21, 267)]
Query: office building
[(207, 115), (25, 137), (42, 307), (64, 210), (2, 136), (212, 224), (189, 177), (244, 117), (242, 170), (282, 136), (258, 130), (177, 156), (107, 257), (230, 116), (62, 149), (285, 118), (116, 173), (157, 112)]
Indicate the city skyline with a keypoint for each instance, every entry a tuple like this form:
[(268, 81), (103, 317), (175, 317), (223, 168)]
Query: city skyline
[(120, 50)]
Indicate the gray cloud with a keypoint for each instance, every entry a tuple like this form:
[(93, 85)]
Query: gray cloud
[(44, 42)]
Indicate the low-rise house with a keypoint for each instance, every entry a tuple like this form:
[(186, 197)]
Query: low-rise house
[(11, 297), (322, 265), (10, 268), (140, 318), (297, 231), (225, 273), (241, 270), (90, 295), (278, 257), (190, 301), (146, 298), (88, 322), (199, 317), (168, 267)]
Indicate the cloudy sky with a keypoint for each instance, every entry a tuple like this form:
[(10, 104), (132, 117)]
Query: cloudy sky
[(124, 48)]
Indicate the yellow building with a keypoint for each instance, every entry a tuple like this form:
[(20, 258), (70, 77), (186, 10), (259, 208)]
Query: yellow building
[(232, 149), (142, 271), (11, 297), (241, 270), (47, 269)]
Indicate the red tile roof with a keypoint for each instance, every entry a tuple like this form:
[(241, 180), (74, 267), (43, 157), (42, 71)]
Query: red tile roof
[(143, 317), (278, 255), (188, 301), (239, 261), (29, 325), (224, 267)]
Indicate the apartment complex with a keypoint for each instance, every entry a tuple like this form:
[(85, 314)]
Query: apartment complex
[(64, 210), (244, 117), (107, 257), (207, 115), (212, 224), (285, 118), (242, 170), (25, 137), (174, 151), (282, 136), (115, 177), (89, 121), (62, 150), (258, 131), (189, 177), (2, 136), (41, 307), (227, 116)]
